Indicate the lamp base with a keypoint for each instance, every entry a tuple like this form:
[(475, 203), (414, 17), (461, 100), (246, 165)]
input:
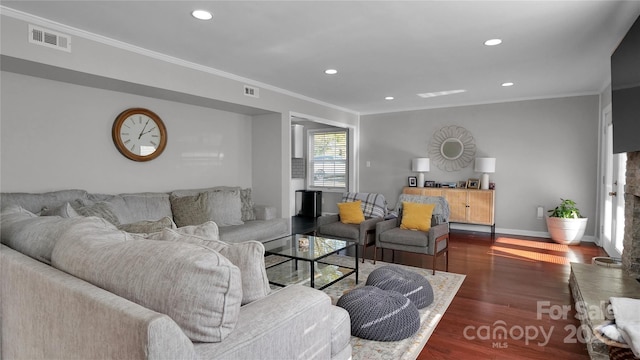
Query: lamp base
[(420, 179), (484, 181)]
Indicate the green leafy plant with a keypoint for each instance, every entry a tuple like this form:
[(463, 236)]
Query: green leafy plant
[(567, 209)]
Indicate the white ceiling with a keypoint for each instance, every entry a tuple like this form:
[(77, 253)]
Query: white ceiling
[(380, 48)]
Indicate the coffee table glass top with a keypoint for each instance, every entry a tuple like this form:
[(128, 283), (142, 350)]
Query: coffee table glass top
[(305, 258), (318, 247)]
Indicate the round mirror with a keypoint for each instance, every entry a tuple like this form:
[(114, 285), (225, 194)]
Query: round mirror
[(451, 148)]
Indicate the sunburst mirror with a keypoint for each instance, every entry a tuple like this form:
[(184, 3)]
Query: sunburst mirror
[(452, 148)]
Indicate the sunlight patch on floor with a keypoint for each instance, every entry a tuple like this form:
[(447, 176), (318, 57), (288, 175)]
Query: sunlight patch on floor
[(533, 244), (534, 251), (529, 255)]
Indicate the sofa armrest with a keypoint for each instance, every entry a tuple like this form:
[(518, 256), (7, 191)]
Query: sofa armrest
[(88, 322), (327, 219), (264, 212), (293, 322)]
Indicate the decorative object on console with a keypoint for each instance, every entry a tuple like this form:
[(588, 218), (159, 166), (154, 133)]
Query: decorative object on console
[(485, 166), (413, 181), (473, 184), (462, 184), (452, 148), (430, 183), (420, 165), (139, 134)]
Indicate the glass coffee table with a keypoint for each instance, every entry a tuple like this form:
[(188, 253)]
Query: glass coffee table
[(297, 263)]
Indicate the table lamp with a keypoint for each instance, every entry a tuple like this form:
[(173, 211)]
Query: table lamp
[(485, 166), (420, 165)]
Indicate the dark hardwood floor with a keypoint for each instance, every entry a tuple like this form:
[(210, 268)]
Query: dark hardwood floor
[(508, 279)]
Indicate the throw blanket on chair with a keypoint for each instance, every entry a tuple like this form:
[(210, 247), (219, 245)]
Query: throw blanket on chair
[(373, 205)]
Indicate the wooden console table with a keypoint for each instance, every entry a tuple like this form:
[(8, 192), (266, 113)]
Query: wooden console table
[(467, 206)]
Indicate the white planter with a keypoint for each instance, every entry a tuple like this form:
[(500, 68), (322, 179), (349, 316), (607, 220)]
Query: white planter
[(566, 231)]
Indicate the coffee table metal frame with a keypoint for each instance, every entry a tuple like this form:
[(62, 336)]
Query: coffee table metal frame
[(318, 249)]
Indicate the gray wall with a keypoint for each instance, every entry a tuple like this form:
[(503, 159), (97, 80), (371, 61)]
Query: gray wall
[(545, 150), (57, 135)]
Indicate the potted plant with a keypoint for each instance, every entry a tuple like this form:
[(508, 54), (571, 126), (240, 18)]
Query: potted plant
[(566, 225)]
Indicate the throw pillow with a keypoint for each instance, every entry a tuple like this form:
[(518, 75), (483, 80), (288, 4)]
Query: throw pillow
[(351, 212), (36, 236), (416, 216), (248, 256), (224, 207), (148, 226), (100, 209), (194, 285), (247, 205), (189, 210), (65, 211)]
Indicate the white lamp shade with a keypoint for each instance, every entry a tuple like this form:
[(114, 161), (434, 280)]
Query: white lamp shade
[(420, 164), (485, 165)]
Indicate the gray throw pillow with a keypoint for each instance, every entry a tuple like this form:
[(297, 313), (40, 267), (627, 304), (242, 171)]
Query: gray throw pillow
[(189, 210), (65, 211), (36, 236), (247, 205), (100, 209), (148, 226), (225, 207), (248, 256), (222, 207)]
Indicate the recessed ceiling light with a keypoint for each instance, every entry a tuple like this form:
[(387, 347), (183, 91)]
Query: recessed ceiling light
[(507, 84), (331, 71), (201, 14), (493, 42), (389, 98)]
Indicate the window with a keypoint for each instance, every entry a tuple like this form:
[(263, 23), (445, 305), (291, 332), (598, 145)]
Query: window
[(329, 160)]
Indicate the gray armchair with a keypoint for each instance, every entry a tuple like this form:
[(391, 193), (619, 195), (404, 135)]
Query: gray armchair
[(374, 207), (435, 242)]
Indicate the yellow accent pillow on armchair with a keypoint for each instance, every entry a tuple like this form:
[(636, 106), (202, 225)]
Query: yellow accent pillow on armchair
[(351, 212), (416, 216)]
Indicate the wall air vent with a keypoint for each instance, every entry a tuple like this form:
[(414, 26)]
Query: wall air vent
[(251, 91), (49, 38)]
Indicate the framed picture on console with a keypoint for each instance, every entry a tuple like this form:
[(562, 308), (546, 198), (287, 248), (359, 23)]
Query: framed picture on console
[(413, 181), (430, 183), (473, 184)]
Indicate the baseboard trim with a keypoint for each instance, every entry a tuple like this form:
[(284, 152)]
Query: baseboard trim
[(487, 229)]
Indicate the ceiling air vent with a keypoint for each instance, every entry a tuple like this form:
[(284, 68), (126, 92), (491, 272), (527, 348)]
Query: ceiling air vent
[(48, 38)]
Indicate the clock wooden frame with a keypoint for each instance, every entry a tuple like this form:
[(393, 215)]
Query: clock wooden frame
[(117, 126)]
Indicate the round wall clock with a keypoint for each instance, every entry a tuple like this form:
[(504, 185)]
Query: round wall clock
[(139, 134)]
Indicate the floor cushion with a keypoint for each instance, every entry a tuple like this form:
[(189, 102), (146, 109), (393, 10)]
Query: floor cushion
[(380, 315), (410, 284)]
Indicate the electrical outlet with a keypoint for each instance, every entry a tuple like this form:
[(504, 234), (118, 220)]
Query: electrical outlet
[(540, 212)]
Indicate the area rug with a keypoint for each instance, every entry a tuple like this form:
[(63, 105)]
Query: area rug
[(445, 286)]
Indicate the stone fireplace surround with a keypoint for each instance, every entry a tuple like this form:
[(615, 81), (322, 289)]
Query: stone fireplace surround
[(631, 242), (592, 285)]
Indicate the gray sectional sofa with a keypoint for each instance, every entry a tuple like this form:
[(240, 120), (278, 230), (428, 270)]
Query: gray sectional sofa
[(82, 287)]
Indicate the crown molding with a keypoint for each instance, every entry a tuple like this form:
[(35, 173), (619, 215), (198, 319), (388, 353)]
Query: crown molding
[(36, 20)]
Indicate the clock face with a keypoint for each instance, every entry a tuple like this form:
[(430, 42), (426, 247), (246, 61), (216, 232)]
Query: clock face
[(139, 134)]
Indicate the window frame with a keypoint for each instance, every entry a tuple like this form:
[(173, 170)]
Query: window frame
[(311, 163)]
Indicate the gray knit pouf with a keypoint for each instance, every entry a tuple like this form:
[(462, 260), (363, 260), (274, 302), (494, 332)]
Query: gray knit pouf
[(410, 284), (380, 315)]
